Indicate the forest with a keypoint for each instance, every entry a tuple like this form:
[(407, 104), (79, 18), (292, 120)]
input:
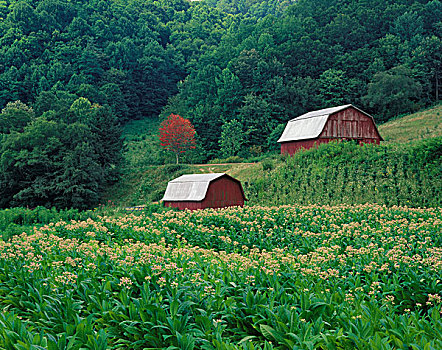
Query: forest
[(72, 73)]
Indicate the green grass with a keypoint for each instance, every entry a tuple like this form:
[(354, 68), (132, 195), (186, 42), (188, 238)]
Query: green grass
[(142, 146), (417, 126)]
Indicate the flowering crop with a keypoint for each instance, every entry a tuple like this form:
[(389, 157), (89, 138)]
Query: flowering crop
[(316, 277)]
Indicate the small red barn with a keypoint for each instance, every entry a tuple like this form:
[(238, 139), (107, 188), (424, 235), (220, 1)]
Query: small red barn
[(338, 123), (199, 191)]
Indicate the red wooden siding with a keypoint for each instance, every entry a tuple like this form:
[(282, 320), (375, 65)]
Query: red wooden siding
[(184, 205), (294, 146), (351, 124), (222, 192)]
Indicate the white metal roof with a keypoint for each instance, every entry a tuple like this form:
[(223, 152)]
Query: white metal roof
[(321, 112), (189, 187), (309, 125)]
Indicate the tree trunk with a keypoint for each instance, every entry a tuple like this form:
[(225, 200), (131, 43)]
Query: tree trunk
[(176, 157), (437, 86)]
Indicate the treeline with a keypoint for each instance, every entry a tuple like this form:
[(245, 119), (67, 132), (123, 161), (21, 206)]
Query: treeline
[(57, 159), (345, 173), (128, 55), (382, 56)]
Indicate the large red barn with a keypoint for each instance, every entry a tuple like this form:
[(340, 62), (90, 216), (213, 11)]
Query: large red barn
[(199, 191), (338, 123)]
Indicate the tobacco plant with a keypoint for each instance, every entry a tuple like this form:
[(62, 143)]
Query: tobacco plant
[(290, 277)]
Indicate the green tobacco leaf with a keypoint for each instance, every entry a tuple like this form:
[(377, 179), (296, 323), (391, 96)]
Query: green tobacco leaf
[(71, 343), (174, 308), (271, 333), (250, 299)]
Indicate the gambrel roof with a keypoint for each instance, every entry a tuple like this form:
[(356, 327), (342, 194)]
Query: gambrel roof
[(311, 124)]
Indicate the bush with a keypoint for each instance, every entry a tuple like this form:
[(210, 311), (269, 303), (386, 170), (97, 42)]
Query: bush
[(429, 150), (267, 165)]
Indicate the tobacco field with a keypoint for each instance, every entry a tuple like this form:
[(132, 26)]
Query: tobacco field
[(289, 277)]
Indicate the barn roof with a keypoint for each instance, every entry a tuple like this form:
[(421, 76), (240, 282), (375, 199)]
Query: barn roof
[(308, 125), (311, 124), (191, 187)]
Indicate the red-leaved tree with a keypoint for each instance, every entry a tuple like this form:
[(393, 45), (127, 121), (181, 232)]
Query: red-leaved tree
[(177, 134)]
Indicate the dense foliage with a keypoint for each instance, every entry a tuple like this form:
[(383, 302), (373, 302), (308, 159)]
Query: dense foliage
[(71, 73), (62, 161), (295, 277), (128, 56), (382, 56)]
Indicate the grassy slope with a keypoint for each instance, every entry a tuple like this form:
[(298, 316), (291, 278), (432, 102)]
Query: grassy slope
[(417, 126), (143, 182)]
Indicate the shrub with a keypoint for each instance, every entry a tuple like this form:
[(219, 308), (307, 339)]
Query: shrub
[(267, 165)]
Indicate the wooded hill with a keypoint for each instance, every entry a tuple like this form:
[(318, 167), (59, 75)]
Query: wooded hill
[(83, 69)]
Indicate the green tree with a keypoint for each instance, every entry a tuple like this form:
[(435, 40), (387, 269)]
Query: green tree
[(408, 25), (429, 58), (272, 140), (232, 138), (334, 89), (80, 110), (49, 164), (228, 93), (15, 116), (106, 141), (256, 116), (393, 92), (58, 101)]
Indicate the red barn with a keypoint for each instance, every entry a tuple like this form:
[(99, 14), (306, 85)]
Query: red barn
[(199, 191), (337, 123)]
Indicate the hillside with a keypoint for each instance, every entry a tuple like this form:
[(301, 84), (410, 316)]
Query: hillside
[(416, 126), (391, 170)]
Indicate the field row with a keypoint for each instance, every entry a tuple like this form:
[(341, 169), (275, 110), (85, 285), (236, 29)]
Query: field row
[(241, 278)]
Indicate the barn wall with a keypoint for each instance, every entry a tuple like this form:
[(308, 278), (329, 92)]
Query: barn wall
[(223, 192), (351, 124), (183, 205), (294, 146)]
